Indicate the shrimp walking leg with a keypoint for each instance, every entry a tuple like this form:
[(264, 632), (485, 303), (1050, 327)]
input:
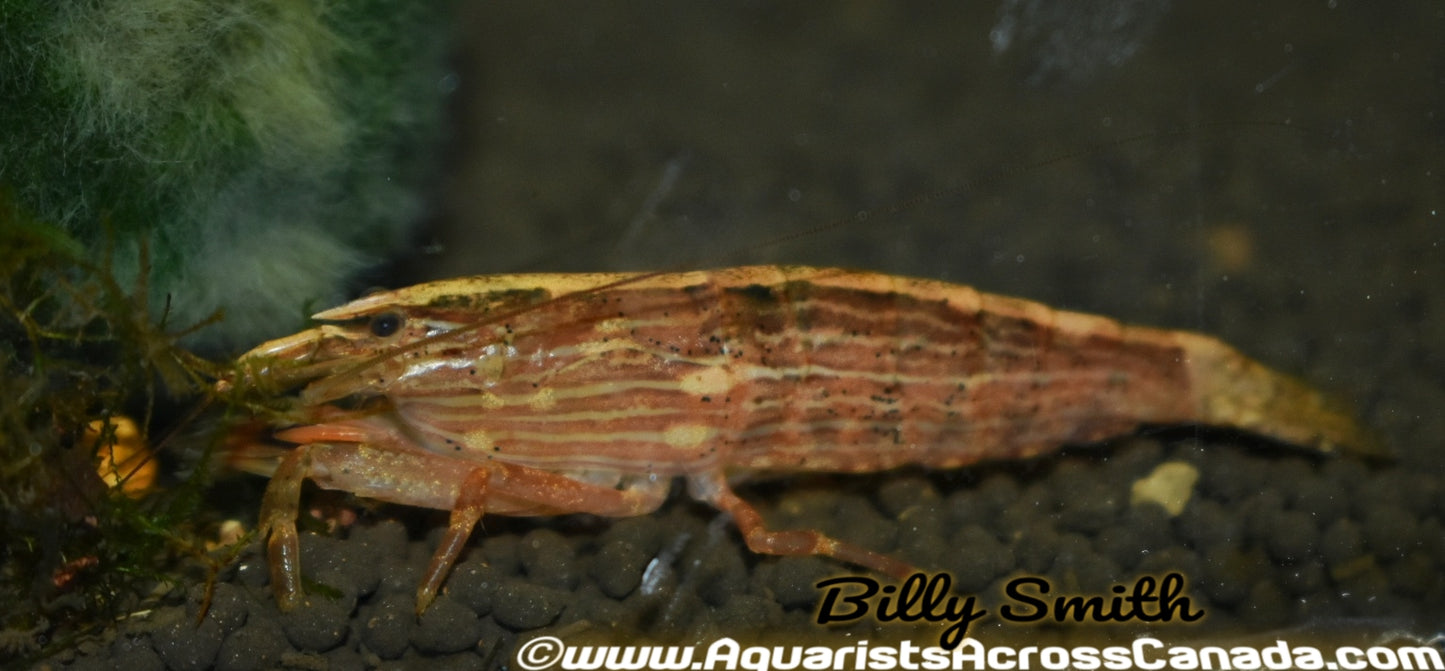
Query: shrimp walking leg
[(715, 490), (543, 492), (279, 507), (427, 479)]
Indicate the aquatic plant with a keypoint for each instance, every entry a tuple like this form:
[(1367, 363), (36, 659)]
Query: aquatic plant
[(80, 355), (263, 152)]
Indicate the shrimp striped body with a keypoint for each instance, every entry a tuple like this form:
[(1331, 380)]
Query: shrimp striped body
[(544, 394)]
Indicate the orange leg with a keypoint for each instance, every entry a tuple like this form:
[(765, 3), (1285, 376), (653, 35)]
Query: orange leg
[(466, 488), (714, 489), (279, 506), (547, 492)]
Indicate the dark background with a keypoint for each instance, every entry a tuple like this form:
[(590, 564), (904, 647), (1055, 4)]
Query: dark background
[(1268, 173)]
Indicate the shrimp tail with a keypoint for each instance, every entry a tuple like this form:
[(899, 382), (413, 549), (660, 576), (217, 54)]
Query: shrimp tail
[(1231, 390)]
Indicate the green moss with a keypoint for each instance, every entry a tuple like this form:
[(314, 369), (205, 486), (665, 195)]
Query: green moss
[(77, 347), (219, 134), (160, 161)]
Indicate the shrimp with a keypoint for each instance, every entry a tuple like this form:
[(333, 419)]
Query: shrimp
[(545, 394)]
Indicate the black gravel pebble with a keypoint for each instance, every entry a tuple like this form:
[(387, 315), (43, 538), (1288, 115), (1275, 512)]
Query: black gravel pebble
[(1291, 535), (923, 534), (134, 658), (1389, 530), (184, 646), (747, 614), (1266, 606), (502, 552), (1319, 496), (1036, 547), (460, 661), (1342, 541), (446, 627), (1139, 531), (984, 503), (1260, 511), (1417, 574), (1091, 507), (548, 559), (855, 520), (229, 606), (1230, 476), (259, 645), (319, 624), (1302, 579), (1207, 524), (521, 605), (474, 583), (1034, 502), (791, 580), (977, 558), (715, 570), (906, 492), (1230, 573), (386, 626), (343, 658), (251, 569)]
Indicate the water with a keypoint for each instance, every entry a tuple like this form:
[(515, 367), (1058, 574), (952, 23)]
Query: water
[(1287, 199)]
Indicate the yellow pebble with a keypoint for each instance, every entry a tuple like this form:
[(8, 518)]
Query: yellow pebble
[(1170, 485), (124, 459)]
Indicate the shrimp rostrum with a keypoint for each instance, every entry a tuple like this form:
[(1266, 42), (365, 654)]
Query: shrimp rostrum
[(590, 393)]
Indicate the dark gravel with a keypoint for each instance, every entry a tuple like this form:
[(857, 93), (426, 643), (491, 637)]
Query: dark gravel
[(778, 119)]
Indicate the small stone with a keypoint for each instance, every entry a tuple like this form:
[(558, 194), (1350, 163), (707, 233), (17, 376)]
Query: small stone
[(461, 661), (1207, 524), (521, 605), (747, 613), (1390, 530), (903, 492), (549, 559), (1320, 497), (1267, 605), (1414, 574), (184, 646), (1170, 485), (1259, 513), (318, 624), (228, 606), (978, 558), (1090, 508), (135, 658), (1292, 536), (474, 583), (984, 503), (1171, 559), (1342, 542), (716, 570), (618, 567), (792, 580), (446, 627), (1230, 574), (1302, 579), (344, 659), (1230, 476), (304, 661), (1036, 548), (258, 645), (386, 627)]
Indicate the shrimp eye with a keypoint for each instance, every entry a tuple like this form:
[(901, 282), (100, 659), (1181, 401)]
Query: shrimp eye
[(385, 324)]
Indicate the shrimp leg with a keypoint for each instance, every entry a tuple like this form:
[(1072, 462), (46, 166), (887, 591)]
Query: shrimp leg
[(464, 487), (713, 488)]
